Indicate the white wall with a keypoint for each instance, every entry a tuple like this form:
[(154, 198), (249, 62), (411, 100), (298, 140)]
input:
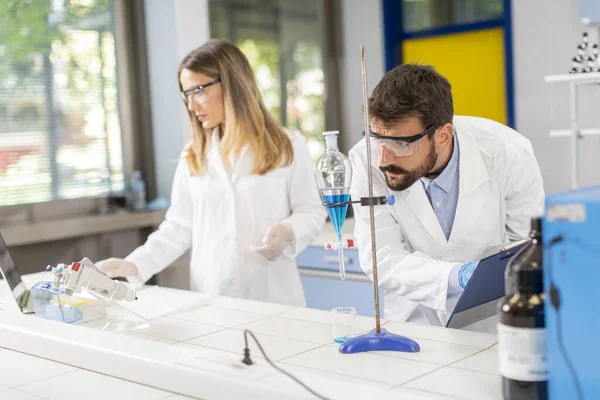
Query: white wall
[(362, 24), (173, 29), (544, 41)]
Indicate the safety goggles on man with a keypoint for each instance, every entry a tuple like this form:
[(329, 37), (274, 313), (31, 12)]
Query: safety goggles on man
[(401, 146), (197, 93)]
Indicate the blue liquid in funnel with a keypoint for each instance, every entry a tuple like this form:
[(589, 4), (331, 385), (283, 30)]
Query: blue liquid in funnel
[(337, 214)]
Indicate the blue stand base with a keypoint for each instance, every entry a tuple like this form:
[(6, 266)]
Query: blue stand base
[(374, 341)]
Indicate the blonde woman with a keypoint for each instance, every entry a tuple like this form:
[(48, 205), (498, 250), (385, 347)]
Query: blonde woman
[(244, 199)]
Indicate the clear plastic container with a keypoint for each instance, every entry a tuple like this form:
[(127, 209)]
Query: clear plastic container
[(52, 303)]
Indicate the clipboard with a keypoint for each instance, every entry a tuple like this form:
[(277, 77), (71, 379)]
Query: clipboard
[(480, 298)]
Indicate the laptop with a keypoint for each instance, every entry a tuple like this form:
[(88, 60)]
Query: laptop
[(12, 278)]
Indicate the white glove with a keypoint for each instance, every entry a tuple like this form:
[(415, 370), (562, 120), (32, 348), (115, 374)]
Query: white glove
[(117, 267), (277, 238)]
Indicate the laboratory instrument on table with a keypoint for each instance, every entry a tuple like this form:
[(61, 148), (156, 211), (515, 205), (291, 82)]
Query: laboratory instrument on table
[(81, 292), (521, 328), (85, 275), (571, 275), (334, 175)]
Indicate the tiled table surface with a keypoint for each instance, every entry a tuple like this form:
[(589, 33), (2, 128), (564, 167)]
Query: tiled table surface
[(452, 364)]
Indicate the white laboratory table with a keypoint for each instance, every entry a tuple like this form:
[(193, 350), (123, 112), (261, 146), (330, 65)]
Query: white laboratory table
[(196, 353)]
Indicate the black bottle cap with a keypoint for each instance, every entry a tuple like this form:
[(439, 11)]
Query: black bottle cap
[(536, 226)]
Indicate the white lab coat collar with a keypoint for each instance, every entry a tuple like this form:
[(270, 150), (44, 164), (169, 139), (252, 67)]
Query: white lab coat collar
[(473, 173)]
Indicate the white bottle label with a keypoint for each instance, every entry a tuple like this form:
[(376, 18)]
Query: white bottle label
[(523, 353)]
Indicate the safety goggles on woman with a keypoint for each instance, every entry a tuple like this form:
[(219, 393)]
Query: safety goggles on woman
[(401, 146), (197, 93)]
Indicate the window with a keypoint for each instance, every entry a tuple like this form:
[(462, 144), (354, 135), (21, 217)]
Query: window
[(431, 32), (59, 118), (283, 40), (418, 15)]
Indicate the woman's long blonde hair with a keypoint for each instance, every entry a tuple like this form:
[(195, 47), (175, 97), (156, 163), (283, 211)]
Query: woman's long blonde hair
[(247, 120)]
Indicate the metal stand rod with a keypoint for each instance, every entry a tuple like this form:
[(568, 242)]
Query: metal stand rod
[(363, 66), (574, 136)]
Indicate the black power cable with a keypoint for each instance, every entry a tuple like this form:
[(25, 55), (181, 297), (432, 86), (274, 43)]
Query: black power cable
[(555, 301), (248, 361)]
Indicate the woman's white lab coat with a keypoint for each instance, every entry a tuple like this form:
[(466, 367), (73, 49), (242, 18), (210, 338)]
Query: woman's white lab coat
[(500, 190), (221, 213)]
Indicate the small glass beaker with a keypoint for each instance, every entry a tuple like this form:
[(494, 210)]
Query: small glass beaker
[(343, 323)]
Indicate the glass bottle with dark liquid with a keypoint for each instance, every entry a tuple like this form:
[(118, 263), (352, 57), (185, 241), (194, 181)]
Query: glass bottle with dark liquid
[(521, 329)]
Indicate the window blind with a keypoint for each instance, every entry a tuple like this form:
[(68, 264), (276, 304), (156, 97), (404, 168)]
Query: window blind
[(419, 15), (59, 116)]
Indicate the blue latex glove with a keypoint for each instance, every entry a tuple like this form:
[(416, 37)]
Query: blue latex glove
[(466, 272)]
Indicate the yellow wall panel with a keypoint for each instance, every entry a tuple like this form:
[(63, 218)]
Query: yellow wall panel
[(473, 62)]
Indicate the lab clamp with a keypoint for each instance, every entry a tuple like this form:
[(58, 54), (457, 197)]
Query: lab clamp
[(333, 174)]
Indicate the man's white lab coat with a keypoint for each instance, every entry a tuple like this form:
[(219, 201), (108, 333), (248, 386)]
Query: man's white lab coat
[(221, 213), (500, 190)]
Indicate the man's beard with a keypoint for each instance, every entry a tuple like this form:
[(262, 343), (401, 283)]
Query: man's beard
[(408, 178)]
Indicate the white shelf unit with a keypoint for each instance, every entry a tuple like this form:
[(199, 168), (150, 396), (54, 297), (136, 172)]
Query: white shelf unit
[(575, 133), (584, 78)]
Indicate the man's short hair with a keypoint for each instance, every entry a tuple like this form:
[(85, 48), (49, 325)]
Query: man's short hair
[(412, 90)]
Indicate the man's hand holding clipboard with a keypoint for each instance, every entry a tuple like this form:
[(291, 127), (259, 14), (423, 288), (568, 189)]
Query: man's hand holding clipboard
[(485, 287)]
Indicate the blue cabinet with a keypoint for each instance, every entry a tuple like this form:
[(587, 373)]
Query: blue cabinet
[(325, 290)]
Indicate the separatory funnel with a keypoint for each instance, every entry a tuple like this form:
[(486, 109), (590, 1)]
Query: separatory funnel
[(334, 174)]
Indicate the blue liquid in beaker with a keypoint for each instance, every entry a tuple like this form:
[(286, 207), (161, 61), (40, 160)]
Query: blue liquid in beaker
[(341, 339), (337, 214)]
